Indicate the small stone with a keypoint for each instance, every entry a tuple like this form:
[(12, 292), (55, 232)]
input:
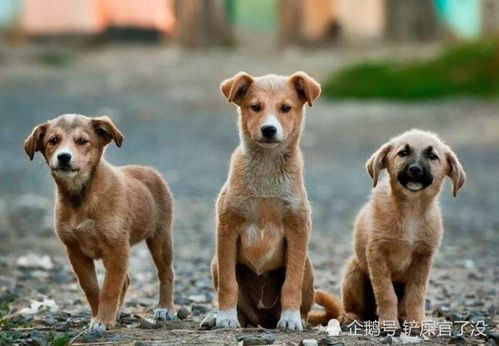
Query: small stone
[(209, 321), (407, 339), (146, 323), (491, 342), (92, 336), (49, 321), (427, 304), (141, 343), (198, 298), (257, 339), (492, 310), (387, 340), (309, 342), (333, 327), (453, 317), (457, 340), (199, 309), (327, 341), (182, 313)]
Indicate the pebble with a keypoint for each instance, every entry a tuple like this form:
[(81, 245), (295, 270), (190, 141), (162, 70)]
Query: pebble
[(199, 309), (387, 340), (92, 336), (198, 298), (146, 323), (182, 313), (491, 342), (309, 342), (257, 339), (209, 322), (492, 310), (329, 341), (457, 340)]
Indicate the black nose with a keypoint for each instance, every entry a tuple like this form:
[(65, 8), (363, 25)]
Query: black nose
[(64, 158), (268, 131), (415, 171)]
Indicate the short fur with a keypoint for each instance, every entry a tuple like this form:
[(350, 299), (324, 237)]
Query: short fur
[(101, 210), (398, 232), (261, 266)]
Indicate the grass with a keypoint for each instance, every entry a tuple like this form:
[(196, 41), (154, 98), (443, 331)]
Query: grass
[(467, 69)]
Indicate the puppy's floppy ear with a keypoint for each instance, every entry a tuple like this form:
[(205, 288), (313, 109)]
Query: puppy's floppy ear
[(307, 88), (456, 172), (377, 162), (235, 88), (104, 127), (33, 143)]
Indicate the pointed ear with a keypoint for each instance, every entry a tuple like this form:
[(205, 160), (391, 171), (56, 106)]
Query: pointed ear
[(456, 172), (104, 127), (377, 162), (33, 143), (235, 88), (306, 87)]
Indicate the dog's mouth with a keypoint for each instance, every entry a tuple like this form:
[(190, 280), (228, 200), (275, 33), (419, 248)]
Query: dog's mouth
[(268, 143), (415, 185), (65, 170)]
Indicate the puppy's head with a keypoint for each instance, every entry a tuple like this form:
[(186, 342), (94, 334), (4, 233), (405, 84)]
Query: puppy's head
[(72, 144), (417, 161), (271, 107)]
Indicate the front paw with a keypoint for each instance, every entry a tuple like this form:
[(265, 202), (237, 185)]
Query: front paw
[(290, 319), (161, 314), (227, 319), (97, 325)]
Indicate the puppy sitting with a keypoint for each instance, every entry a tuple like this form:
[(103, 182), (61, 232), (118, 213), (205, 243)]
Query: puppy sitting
[(102, 210), (399, 230), (261, 270)]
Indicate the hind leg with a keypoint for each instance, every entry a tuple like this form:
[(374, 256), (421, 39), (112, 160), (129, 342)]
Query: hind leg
[(161, 247), (353, 293), (126, 283), (307, 299)]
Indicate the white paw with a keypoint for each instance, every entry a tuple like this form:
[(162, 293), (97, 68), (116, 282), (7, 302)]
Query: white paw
[(290, 319), (227, 319), (96, 325), (161, 314)]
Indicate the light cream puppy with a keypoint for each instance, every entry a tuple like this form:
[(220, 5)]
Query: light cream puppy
[(397, 232)]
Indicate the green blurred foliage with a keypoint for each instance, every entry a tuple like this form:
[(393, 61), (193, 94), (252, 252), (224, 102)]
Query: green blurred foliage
[(466, 69)]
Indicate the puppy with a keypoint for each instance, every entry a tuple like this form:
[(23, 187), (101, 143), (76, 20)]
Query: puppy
[(261, 270), (399, 230), (102, 210)]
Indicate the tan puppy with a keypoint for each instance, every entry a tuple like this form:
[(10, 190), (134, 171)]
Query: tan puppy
[(399, 230), (102, 210), (261, 270)]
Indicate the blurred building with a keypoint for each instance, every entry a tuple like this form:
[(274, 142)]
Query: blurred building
[(200, 22)]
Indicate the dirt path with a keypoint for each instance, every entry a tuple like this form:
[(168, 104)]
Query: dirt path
[(168, 105)]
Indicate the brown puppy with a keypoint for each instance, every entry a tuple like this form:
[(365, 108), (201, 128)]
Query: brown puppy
[(102, 210), (399, 230), (261, 270)]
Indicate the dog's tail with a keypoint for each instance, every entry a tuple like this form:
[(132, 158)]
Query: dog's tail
[(332, 308)]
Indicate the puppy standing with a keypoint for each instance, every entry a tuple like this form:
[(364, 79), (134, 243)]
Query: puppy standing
[(102, 210), (399, 230), (261, 270)]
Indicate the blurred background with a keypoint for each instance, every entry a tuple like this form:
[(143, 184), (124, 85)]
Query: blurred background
[(154, 66)]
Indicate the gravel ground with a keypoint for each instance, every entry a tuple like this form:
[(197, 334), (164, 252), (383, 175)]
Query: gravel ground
[(167, 103)]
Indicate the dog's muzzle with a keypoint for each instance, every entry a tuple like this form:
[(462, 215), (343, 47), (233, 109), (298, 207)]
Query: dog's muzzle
[(415, 177)]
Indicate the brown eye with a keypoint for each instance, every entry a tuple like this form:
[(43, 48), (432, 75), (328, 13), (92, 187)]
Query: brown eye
[(81, 141), (403, 153), (53, 141), (285, 108), (432, 156), (256, 107)]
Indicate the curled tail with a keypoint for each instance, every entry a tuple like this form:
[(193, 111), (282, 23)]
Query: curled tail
[(332, 308)]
